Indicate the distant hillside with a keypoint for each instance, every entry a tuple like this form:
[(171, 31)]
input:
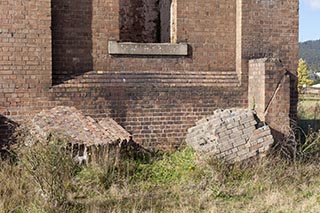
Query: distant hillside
[(310, 52)]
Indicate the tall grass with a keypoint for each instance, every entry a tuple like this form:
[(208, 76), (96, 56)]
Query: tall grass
[(44, 179)]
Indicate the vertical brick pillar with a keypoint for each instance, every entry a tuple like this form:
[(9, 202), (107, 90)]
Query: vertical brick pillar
[(269, 93), (269, 29)]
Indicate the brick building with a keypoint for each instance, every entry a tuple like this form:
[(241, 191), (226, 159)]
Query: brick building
[(155, 66)]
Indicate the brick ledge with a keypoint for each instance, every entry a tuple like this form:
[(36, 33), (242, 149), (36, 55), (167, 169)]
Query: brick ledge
[(160, 49)]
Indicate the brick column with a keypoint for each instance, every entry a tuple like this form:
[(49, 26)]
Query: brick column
[(269, 93)]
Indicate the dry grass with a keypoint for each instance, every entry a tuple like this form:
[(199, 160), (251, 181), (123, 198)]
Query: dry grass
[(171, 184), (43, 179)]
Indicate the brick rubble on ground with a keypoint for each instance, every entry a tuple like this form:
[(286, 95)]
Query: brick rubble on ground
[(231, 135), (70, 123)]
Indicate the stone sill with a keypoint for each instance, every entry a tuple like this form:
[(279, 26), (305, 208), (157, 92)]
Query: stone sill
[(152, 49)]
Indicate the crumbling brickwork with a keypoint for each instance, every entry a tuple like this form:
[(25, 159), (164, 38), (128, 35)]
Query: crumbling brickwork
[(70, 124), (231, 134), (269, 29), (156, 98), (269, 92)]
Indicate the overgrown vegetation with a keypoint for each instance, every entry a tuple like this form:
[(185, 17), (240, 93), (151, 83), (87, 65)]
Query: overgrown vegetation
[(44, 179)]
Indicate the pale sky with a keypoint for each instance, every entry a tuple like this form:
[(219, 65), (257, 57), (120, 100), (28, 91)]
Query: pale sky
[(309, 20)]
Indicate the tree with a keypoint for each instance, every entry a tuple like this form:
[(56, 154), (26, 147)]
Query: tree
[(303, 75)]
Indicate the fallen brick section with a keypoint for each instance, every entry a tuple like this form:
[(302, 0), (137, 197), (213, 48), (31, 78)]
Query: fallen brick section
[(231, 135), (86, 139), (114, 130), (70, 123)]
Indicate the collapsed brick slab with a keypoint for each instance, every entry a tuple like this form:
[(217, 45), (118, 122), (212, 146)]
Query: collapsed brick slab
[(232, 135), (73, 125), (86, 139)]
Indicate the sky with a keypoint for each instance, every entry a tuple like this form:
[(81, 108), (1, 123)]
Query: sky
[(309, 20)]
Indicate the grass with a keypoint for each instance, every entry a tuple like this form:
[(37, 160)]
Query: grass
[(173, 182), (42, 178), (309, 108)]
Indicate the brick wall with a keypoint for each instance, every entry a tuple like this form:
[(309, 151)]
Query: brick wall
[(155, 116), (25, 55), (150, 96), (155, 97), (202, 25), (269, 93), (139, 20), (25, 58), (270, 29)]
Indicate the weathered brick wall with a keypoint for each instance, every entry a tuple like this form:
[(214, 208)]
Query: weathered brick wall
[(265, 76), (25, 58), (201, 24), (25, 50), (270, 29), (155, 116), (157, 94), (158, 98), (139, 20), (269, 93)]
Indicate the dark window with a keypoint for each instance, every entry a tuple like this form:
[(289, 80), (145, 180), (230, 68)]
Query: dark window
[(147, 21)]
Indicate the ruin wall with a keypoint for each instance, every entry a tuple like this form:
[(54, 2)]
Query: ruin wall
[(56, 53)]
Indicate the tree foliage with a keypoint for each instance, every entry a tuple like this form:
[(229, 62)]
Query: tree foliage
[(303, 75)]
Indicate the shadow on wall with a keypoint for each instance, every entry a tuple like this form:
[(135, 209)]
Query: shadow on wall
[(7, 128), (293, 97), (131, 21), (145, 21), (71, 39)]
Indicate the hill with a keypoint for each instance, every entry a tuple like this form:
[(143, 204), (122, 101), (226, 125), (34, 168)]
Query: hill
[(310, 52)]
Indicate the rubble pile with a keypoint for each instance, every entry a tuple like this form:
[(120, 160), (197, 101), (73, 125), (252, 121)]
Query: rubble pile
[(71, 124), (232, 135), (86, 139)]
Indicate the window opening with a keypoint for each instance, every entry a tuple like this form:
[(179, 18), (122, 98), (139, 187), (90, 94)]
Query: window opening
[(147, 21)]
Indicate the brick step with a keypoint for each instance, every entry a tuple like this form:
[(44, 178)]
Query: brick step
[(200, 74), (199, 78), (160, 79)]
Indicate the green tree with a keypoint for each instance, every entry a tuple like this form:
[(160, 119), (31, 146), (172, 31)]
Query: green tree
[(303, 75)]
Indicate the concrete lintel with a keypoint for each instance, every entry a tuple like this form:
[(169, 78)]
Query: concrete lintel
[(130, 48)]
